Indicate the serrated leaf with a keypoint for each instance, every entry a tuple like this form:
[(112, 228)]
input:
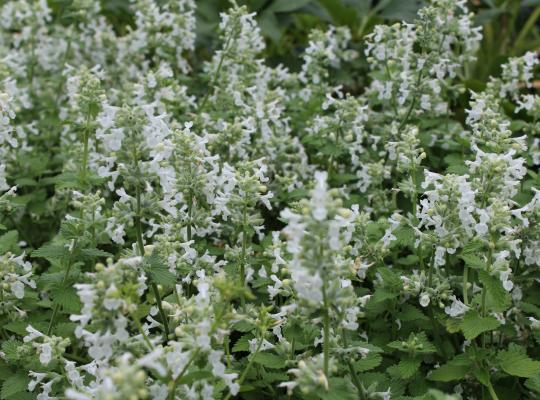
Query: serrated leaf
[(67, 298), (243, 326), (269, 360), (8, 241), (242, 344), (497, 298), (473, 324), (404, 235), (533, 383), (157, 270), (95, 253), (411, 313), (274, 376), (408, 366), (13, 385), (50, 251), (194, 376), (372, 360), (339, 390), (471, 247), (473, 261), (454, 370), (287, 5), (391, 279), (516, 362), (9, 348), (482, 375)]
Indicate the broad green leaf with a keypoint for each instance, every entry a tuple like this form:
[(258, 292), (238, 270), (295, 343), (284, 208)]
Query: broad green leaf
[(516, 362), (194, 376), (473, 324), (9, 348), (408, 366), (338, 390), (8, 241), (533, 383), (372, 360), (473, 261), (13, 385), (284, 6), (269, 360), (497, 298), (67, 298), (482, 375), (95, 253), (449, 372), (51, 251), (243, 326), (158, 271), (411, 313), (242, 344)]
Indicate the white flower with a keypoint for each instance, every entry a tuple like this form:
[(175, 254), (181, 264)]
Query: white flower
[(457, 308), (424, 299)]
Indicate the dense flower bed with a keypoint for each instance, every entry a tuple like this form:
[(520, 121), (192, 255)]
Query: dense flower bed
[(245, 230)]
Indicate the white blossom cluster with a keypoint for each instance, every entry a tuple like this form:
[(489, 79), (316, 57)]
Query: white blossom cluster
[(235, 227)]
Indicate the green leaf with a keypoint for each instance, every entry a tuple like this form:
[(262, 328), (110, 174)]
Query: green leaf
[(279, 6), (8, 241), (67, 298), (533, 383), (411, 313), (454, 370), (9, 348), (482, 375), (244, 326), (95, 253), (269, 360), (242, 344), (50, 251), (471, 247), (473, 261), (339, 390), (408, 366), (194, 376), (473, 324), (157, 270), (372, 360), (516, 362), (497, 298), (13, 385)]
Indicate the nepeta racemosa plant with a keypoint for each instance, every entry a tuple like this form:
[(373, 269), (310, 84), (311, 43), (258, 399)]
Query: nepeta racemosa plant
[(180, 222)]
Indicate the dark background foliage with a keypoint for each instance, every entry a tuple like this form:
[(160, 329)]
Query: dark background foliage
[(510, 26)]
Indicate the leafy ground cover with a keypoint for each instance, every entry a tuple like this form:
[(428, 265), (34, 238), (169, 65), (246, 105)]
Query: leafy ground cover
[(270, 200)]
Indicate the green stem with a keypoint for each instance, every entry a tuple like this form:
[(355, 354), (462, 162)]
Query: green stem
[(155, 290), (64, 279), (492, 391), (526, 28), (140, 244), (247, 368), (243, 257), (174, 383), (218, 69), (413, 103), (465, 284), (326, 332), (414, 194), (352, 372), (484, 293), (86, 139), (142, 332), (190, 215)]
